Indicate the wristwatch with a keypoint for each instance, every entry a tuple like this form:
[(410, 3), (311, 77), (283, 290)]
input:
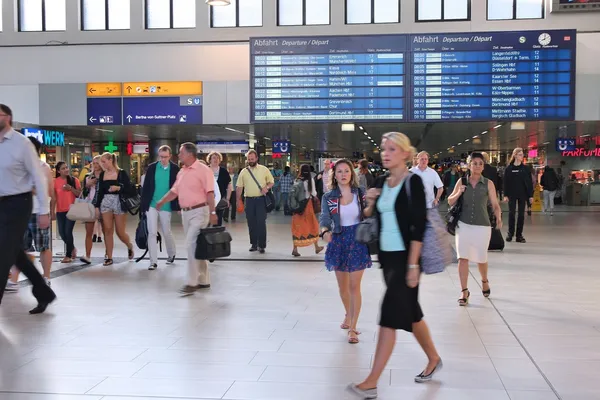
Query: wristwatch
[(413, 266), (213, 213)]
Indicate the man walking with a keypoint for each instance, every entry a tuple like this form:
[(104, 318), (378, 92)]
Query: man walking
[(195, 189), (21, 172), (256, 181), (36, 238), (160, 178), (431, 180)]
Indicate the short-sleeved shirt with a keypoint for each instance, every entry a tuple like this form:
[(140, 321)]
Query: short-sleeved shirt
[(431, 182), (262, 175), (193, 184), (64, 198)]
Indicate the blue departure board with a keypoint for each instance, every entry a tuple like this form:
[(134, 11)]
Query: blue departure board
[(333, 78), (418, 78)]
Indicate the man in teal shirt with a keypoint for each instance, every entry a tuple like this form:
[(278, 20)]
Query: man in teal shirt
[(159, 179)]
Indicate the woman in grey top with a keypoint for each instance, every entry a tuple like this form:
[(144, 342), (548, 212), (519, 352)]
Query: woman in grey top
[(474, 229)]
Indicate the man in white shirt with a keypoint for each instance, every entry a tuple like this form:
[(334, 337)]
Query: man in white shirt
[(431, 180)]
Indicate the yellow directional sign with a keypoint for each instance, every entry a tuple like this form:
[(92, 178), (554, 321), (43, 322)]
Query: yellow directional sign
[(155, 89), (104, 89)]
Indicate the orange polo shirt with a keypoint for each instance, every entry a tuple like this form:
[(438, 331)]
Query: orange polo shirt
[(193, 183)]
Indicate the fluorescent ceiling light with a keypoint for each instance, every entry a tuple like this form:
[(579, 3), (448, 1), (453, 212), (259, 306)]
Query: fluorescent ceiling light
[(497, 126), (585, 135), (218, 2), (466, 140), (475, 137), (268, 138), (484, 132), (369, 137), (347, 127), (366, 133), (361, 128), (546, 143), (104, 130), (459, 144)]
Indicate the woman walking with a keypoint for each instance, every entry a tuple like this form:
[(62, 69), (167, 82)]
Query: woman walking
[(518, 191), (474, 229), (112, 183), (402, 220), (67, 189), (223, 180), (342, 211), (93, 230), (305, 227), (550, 183)]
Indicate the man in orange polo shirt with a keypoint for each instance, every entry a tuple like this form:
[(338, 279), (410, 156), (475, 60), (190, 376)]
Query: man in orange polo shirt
[(194, 187)]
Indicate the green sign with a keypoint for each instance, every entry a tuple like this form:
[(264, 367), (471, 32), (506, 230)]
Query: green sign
[(111, 148)]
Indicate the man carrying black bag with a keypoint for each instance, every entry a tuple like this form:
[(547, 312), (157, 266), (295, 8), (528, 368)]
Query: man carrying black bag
[(194, 187)]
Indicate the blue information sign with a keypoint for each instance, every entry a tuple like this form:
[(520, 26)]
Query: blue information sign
[(428, 77), (282, 147), (162, 110), (104, 111)]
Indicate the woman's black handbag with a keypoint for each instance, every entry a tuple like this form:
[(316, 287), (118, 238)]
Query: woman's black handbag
[(213, 243), (131, 204), (453, 214), (367, 232)]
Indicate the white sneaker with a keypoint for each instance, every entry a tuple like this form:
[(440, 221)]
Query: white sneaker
[(11, 287)]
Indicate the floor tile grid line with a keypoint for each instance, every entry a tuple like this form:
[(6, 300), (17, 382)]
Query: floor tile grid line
[(141, 368), (96, 385), (539, 369)]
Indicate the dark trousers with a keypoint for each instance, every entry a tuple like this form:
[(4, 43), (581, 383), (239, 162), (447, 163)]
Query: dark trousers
[(513, 203), (65, 230), (233, 205), (15, 212), (256, 214)]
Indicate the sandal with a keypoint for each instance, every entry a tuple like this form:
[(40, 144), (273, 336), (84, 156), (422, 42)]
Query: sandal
[(130, 253), (319, 249), (66, 260), (295, 254), (464, 300), (486, 293), (344, 325), (108, 261), (353, 339)]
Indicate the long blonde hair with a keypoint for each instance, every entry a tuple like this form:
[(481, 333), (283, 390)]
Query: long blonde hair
[(514, 153), (113, 158), (333, 183), (403, 142)]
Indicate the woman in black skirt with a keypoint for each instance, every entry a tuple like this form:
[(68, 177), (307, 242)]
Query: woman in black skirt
[(402, 226)]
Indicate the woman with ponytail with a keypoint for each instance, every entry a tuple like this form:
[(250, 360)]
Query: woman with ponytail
[(112, 183), (302, 198)]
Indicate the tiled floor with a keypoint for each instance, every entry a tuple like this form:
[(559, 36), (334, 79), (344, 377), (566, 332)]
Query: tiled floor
[(269, 328)]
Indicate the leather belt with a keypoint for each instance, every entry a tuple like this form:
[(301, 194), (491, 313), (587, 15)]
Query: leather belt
[(194, 207)]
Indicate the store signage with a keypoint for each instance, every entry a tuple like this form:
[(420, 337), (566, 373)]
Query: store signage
[(282, 147), (235, 147), (110, 147), (46, 137), (581, 152), (140, 148)]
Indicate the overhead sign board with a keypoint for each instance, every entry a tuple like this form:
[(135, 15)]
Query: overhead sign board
[(474, 76), (104, 111), (104, 89), (160, 111), (156, 89), (234, 147)]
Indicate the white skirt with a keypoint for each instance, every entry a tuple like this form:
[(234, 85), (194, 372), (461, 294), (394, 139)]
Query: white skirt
[(472, 242)]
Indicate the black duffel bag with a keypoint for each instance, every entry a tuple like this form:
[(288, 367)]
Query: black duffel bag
[(213, 243)]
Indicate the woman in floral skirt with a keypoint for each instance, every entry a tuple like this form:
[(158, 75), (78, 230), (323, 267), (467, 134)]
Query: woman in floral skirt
[(342, 210)]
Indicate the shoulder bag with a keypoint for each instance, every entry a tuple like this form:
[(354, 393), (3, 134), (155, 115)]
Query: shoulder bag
[(453, 214), (436, 252), (82, 210), (367, 231), (269, 197), (130, 203)]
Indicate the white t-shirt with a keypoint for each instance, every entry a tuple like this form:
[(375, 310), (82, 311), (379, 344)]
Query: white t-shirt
[(431, 182), (44, 170)]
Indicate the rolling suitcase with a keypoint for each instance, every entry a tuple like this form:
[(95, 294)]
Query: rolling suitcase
[(496, 241)]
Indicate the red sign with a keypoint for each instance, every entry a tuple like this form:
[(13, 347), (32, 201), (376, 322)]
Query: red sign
[(580, 152), (129, 149)]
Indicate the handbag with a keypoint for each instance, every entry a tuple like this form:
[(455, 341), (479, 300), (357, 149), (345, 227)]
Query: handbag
[(436, 251), (316, 204), (141, 237), (367, 231), (213, 243), (453, 214), (131, 204), (269, 197), (82, 210)]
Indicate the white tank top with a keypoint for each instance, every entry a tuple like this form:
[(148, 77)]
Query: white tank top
[(36, 203), (350, 213)]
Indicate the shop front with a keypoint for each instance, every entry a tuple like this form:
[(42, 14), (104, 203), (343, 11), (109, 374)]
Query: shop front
[(53, 144)]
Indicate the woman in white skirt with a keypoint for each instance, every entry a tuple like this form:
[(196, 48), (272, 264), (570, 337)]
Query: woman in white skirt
[(474, 229)]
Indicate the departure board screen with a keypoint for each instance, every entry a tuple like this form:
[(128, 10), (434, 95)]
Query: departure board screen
[(417, 78), (333, 78)]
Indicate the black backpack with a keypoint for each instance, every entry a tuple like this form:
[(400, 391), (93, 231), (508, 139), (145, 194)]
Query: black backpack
[(141, 236)]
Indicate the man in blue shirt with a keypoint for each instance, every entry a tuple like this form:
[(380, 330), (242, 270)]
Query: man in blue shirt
[(160, 177)]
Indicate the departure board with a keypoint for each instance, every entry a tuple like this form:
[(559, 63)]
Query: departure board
[(418, 78), (335, 78), (493, 76)]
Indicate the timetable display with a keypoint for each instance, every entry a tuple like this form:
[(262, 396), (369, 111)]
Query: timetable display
[(416, 78), (333, 78), (493, 76)]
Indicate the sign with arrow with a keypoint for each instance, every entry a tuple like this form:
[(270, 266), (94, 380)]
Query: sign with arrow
[(160, 111), (104, 111), (108, 89)]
